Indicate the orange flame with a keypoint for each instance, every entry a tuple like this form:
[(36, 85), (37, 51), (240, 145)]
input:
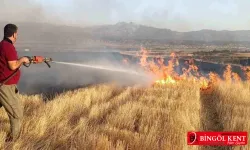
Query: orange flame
[(227, 75), (247, 72), (236, 77), (168, 80), (166, 73), (204, 84), (214, 78), (143, 60)]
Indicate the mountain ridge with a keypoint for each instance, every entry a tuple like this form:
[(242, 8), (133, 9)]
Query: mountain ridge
[(118, 33)]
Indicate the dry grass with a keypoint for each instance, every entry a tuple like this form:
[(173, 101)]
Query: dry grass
[(108, 117)]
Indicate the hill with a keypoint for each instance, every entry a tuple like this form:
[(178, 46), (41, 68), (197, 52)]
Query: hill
[(111, 117), (42, 36), (123, 30)]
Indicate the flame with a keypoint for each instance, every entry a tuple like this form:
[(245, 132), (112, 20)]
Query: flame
[(168, 80), (204, 84), (214, 78), (144, 56), (227, 75), (230, 76), (246, 70), (236, 77), (166, 74)]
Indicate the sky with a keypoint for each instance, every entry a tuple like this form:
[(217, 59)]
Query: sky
[(178, 15)]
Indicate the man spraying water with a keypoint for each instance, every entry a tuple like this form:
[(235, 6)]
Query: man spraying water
[(9, 62), (10, 75), (9, 78)]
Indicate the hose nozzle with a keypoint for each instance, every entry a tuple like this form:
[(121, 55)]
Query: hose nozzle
[(47, 59)]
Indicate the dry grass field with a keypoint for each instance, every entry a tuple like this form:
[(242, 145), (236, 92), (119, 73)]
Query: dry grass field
[(112, 117)]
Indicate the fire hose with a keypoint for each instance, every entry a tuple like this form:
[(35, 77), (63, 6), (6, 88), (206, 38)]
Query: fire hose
[(32, 60)]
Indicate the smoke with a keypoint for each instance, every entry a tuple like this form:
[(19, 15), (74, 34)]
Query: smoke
[(160, 14), (39, 79), (25, 11), (177, 15)]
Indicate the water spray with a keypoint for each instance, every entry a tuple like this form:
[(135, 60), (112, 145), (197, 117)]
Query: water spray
[(101, 68)]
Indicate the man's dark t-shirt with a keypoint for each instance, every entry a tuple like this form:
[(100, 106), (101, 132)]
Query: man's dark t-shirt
[(8, 53)]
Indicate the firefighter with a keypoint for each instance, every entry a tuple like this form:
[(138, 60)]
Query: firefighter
[(9, 95)]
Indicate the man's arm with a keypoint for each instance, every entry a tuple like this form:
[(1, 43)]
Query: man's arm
[(13, 65)]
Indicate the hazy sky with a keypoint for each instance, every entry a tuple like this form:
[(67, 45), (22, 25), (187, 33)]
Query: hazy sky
[(180, 15)]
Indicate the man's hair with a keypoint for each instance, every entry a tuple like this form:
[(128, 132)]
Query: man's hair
[(9, 30)]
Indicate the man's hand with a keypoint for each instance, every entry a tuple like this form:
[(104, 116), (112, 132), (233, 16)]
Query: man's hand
[(25, 60), (13, 65)]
